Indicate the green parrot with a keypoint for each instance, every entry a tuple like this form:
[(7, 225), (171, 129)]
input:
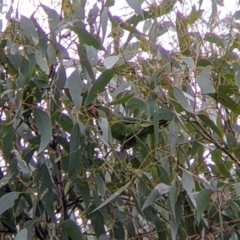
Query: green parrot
[(125, 129)]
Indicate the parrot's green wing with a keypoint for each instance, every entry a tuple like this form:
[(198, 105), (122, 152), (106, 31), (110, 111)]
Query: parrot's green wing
[(125, 129)]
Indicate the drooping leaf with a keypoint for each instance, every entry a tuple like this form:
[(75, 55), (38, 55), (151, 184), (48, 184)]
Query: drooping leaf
[(180, 97), (203, 199), (209, 123), (204, 82), (46, 189), (109, 62), (72, 230), (104, 18), (7, 201), (29, 30), (53, 17), (227, 102), (42, 63), (99, 85), (122, 100), (136, 6), (75, 150), (87, 38), (75, 88), (112, 197), (160, 190), (173, 135), (236, 15), (214, 38), (173, 198), (65, 122), (44, 125), (187, 181), (22, 234)]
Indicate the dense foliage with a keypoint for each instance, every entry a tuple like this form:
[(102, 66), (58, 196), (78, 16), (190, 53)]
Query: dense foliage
[(63, 174)]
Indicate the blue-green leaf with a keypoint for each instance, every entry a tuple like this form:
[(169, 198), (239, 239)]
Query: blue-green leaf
[(72, 230), (109, 62), (99, 85), (44, 125), (136, 6), (203, 202), (7, 201), (29, 30), (182, 100), (75, 89), (204, 82)]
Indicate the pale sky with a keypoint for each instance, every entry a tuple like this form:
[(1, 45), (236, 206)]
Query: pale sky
[(27, 7)]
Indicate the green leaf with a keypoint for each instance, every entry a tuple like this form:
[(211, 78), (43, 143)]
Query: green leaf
[(7, 201), (209, 123), (236, 15), (176, 220), (231, 141), (227, 90), (104, 21), (180, 97), (44, 186), (104, 237), (203, 80), (42, 63), (75, 150), (160, 190), (112, 197), (227, 102), (22, 234), (122, 100), (53, 17), (187, 181), (237, 78), (29, 30), (214, 38), (173, 136), (109, 62), (173, 198), (61, 77), (118, 230), (8, 136), (44, 125), (4, 181), (65, 122), (156, 126), (72, 230), (237, 189), (87, 38), (189, 61), (156, 11), (222, 166), (136, 6), (83, 188), (99, 85), (125, 218), (75, 89), (203, 200), (182, 33), (194, 15)]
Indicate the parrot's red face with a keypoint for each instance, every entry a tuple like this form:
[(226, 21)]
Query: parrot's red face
[(93, 111)]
